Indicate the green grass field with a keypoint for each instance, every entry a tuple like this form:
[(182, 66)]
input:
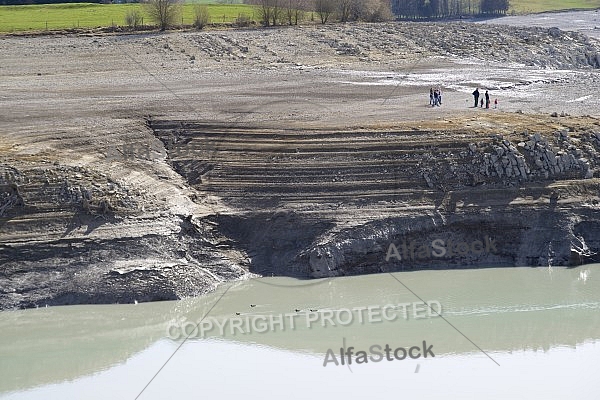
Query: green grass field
[(86, 15), (536, 6)]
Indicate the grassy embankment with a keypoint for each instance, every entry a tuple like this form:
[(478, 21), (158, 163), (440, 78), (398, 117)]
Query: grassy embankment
[(87, 15)]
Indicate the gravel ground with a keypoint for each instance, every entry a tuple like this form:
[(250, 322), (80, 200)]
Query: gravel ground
[(586, 22)]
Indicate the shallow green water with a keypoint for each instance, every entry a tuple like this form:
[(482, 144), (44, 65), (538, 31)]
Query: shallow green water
[(503, 333)]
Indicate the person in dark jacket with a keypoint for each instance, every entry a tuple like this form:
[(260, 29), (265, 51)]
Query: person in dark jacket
[(487, 99), (476, 96)]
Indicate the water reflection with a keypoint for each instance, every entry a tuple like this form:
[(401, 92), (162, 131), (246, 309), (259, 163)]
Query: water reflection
[(501, 311)]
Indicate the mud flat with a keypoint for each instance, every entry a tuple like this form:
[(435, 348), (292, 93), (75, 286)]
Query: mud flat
[(586, 22), (153, 167)]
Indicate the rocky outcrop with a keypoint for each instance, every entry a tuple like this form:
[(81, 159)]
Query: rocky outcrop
[(464, 238), (536, 158), (74, 235)]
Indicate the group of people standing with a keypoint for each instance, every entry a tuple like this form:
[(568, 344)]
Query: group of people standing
[(478, 101), (435, 97)]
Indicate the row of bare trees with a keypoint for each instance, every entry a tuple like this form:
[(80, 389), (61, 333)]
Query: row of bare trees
[(291, 12), (166, 13), (416, 9), (275, 12)]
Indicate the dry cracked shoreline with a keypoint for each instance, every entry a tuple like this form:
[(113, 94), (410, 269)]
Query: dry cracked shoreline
[(154, 167)]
